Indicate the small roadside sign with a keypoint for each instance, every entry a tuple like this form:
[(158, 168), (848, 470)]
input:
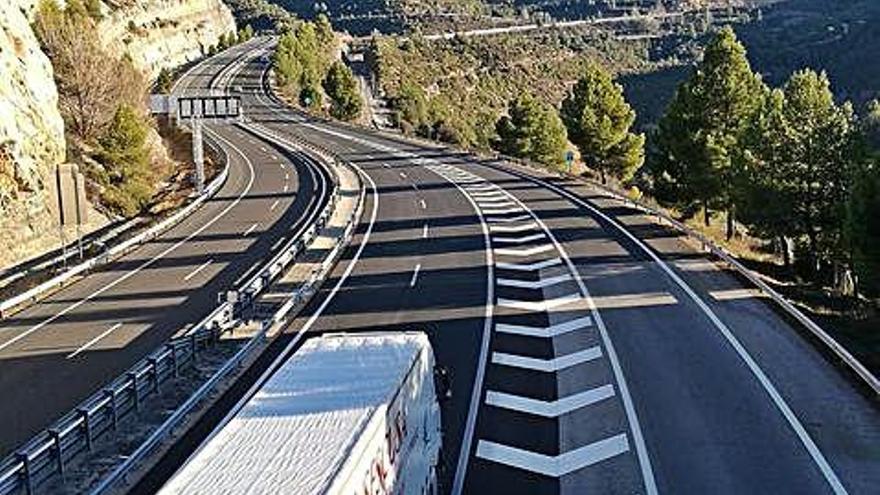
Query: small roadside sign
[(569, 159)]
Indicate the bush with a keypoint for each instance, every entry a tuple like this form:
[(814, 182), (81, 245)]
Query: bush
[(342, 88), (127, 177)]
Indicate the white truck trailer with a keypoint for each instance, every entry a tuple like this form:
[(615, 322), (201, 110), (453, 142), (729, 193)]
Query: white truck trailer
[(347, 414)]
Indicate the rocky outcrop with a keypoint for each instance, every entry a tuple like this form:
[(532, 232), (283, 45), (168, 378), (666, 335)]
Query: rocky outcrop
[(31, 135), (164, 33), (154, 33)]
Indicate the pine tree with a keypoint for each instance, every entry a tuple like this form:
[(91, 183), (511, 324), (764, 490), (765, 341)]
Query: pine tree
[(127, 177), (862, 228), (698, 137), (164, 81), (531, 130), (801, 165), (598, 120), (344, 92)]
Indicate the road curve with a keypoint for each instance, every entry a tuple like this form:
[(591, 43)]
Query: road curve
[(590, 348), (57, 352)]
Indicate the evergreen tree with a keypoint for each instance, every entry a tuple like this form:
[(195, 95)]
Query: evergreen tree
[(531, 130), (245, 34), (800, 166), (164, 81), (871, 125), (598, 120), (127, 177), (698, 137), (344, 92), (862, 228)]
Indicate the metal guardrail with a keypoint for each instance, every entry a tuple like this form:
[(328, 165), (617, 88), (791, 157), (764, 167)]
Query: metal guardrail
[(840, 352), (49, 452), (301, 295), (60, 280)]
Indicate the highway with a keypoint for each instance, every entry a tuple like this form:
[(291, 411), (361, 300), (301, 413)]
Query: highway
[(57, 352), (590, 349)]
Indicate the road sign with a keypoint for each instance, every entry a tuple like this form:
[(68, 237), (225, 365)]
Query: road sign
[(569, 159), (70, 185), (209, 107)]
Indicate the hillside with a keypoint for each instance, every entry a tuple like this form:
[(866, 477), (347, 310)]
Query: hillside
[(153, 34)]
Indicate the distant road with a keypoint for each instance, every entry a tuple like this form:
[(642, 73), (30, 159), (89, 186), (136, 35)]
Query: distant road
[(590, 350), (57, 352)]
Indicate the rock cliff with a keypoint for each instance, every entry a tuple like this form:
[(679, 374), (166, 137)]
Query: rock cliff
[(31, 134), (164, 33), (154, 33)]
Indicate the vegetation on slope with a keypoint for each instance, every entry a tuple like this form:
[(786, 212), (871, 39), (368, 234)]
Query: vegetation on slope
[(102, 101), (456, 90), (308, 68)]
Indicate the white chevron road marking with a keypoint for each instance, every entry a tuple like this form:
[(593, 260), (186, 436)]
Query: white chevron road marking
[(513, 228), (552, 409), (529, 267), (536, 306), (537, 284), (520, 240), (554, 466), (547, 365), (526, 251), (502, 211), (547, 332), (518, 218)]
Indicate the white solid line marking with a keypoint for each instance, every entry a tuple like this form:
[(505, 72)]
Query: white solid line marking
[(246, 274), (552, 409), (547, 365), (197, 270), (529, 267), (635, 427), (544, 305), (513, 228), (250, 229), (538, 284), (546, 332), (554, 466), (274, 205), (751, 364), (523, 252), (425, 232), (277, 243), (519, 240), (93, 341), (146, 263), (415, 275)]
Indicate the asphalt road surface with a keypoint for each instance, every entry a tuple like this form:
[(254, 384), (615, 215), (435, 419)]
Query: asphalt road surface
[(591, 351), (56, 353)]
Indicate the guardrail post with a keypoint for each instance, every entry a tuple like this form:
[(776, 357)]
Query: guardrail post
[(154, 363), (174, 364), (114, 415), (56, 437), (134, 390), (87, 426), (26, 463), (193, 343)]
